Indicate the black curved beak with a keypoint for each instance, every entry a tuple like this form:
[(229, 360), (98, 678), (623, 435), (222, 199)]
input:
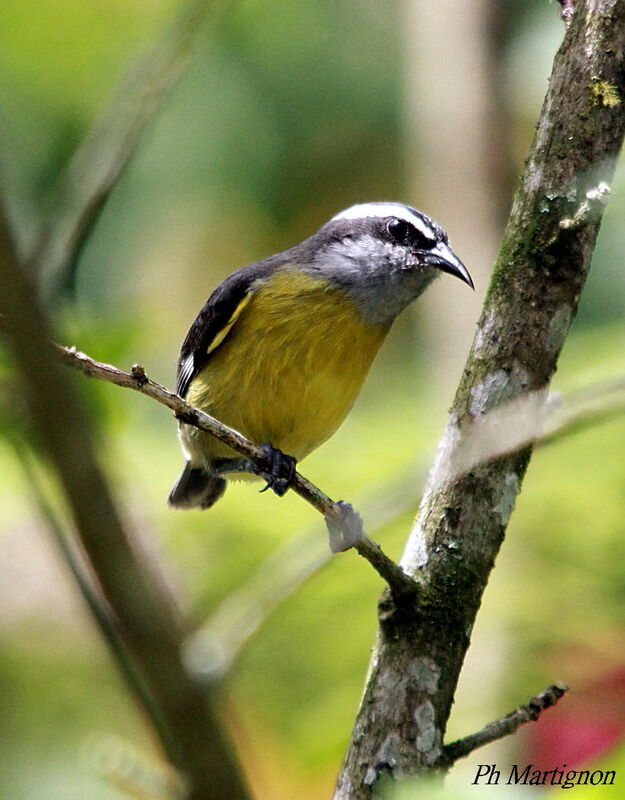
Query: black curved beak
[(443, 257)]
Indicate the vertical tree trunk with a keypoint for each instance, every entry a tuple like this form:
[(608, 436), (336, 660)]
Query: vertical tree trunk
[(540, 272)]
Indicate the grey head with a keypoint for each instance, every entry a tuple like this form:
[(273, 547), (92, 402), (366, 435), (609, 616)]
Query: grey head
[(382, 254)]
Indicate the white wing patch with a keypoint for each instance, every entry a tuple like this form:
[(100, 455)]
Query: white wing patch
[(185, 372), (386, 210), (219, 337)]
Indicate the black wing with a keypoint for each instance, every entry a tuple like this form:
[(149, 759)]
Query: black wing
[(218, 315)]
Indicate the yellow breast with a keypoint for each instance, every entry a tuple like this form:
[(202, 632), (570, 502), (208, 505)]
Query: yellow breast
[(291, 367)]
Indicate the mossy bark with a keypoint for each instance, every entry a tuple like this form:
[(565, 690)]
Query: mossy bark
[(533, 296)]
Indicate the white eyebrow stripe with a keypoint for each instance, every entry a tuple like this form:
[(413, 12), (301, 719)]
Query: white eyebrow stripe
[(382, 210)]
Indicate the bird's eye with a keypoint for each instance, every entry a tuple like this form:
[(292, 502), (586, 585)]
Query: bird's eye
[(398, 229)]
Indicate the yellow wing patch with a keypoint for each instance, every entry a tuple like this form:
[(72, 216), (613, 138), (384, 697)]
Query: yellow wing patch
[(219, 337)]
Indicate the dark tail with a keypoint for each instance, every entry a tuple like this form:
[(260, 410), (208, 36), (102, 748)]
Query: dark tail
[(196, 488)]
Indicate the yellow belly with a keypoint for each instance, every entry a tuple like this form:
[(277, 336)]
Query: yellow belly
[(289, 371)]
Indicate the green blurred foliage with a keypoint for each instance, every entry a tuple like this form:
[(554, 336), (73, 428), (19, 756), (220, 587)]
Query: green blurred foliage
[(289, 112)]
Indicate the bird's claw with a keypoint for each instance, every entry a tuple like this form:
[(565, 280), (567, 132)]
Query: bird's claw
[(276, 468)]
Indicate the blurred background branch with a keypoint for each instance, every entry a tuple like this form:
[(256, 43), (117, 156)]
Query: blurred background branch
[(148, 621), (90, 590), (103, 155), (215, 647)]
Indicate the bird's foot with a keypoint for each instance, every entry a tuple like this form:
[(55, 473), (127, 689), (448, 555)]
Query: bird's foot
[(276, 468)]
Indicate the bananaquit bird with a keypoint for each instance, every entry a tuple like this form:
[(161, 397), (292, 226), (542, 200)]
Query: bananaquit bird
[(282, 346)]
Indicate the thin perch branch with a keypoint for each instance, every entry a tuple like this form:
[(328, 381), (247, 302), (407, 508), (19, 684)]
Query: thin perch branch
[(535, 418), (505, 726), (344, 525)]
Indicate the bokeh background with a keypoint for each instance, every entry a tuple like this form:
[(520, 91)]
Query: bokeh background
[(287, 113)]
